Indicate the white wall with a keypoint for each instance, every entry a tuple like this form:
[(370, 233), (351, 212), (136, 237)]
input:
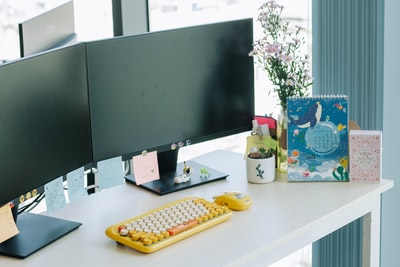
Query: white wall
[(391, 129)]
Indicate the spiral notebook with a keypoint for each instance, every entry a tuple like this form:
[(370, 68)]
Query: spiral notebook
[(318, 138)]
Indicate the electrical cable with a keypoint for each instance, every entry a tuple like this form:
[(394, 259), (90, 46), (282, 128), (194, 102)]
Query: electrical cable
[(33, 203)]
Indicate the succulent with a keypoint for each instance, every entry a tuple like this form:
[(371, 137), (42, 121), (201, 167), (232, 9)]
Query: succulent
[(261, 153)]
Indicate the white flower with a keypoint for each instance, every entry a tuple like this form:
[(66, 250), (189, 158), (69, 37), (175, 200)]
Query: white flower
[(296, 40), (262, 16), (290, 82), (279, 52), (274, 5), (285, 58), (272, 48)]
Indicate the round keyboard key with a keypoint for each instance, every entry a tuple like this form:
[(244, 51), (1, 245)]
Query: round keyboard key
[(124, 232)]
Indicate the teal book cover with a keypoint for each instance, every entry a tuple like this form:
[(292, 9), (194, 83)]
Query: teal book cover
[(318, 138)]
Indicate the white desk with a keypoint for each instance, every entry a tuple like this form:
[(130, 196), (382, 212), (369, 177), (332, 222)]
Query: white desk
[(284, 218)]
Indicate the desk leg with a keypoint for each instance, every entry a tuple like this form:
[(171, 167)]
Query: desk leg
[(371, 234)]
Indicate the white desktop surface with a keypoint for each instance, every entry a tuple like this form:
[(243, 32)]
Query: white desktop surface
[(284, 217)]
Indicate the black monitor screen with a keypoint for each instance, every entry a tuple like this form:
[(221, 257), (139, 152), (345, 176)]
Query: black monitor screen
[(44, 119), (187, 85)]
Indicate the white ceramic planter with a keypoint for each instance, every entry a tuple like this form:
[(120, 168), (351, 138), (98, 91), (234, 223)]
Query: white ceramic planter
[(260, 171)]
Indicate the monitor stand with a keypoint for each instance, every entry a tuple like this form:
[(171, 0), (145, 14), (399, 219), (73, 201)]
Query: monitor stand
[(169, 170), (36, 232)]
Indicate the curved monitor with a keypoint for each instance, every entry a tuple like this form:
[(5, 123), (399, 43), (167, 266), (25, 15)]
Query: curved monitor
[(186, 85), (160, 89), (44, 119), (44, 134)]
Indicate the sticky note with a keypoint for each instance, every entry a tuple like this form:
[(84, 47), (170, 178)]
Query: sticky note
[(76, 181), (145, 167), (110, 172), (55, 196), (8, 228)]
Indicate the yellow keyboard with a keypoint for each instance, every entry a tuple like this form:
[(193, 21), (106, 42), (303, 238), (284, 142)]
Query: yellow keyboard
[(168, 224)]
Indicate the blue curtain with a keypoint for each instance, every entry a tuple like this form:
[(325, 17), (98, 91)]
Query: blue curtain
[(348, 59), (348, 55)]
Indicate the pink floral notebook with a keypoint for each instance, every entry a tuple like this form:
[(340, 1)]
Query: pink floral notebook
[(365, 156)]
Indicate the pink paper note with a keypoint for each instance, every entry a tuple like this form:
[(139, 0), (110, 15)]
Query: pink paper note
[(145, 167)]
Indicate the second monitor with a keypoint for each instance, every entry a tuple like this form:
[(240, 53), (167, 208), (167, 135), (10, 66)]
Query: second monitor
[(160, 89)]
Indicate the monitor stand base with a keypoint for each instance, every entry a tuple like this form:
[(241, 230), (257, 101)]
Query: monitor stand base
[(166, 184), (36, 232)]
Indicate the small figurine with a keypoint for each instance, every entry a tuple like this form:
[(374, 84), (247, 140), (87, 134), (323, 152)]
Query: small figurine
[(204, 174), (186, 169)]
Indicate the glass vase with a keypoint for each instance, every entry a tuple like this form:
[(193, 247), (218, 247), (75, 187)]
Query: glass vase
[(281, 134)]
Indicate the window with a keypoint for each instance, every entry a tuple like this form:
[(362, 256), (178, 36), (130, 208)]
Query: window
[(167, 14), (93, 20)]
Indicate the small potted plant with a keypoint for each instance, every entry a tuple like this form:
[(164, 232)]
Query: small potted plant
[(260, 165)]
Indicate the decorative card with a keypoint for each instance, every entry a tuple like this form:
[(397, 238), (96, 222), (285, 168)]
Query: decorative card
[(365, 156), (318, 138)]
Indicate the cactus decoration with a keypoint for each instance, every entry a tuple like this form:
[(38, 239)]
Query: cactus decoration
[(340, 174)]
